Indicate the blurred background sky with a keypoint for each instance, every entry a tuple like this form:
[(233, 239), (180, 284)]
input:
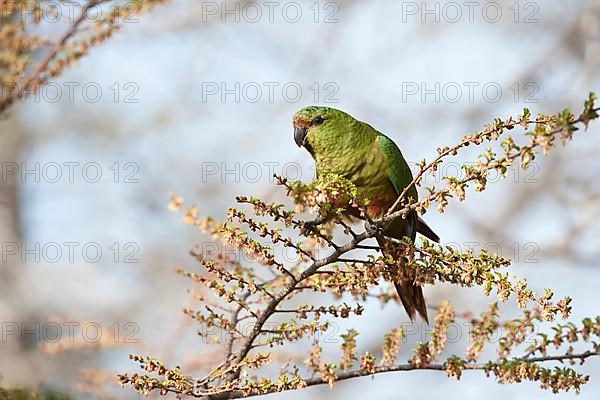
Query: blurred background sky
[(164, 122)]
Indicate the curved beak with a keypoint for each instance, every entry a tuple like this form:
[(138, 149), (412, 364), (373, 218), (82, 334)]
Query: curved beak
[(299, 135)]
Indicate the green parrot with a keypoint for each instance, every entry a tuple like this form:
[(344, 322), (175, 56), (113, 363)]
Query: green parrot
[(345, 146)]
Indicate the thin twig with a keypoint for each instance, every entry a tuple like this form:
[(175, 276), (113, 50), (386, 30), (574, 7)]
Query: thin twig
[(21, 88)]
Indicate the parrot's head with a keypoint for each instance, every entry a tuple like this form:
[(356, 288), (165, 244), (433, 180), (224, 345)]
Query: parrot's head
[(316, 126)]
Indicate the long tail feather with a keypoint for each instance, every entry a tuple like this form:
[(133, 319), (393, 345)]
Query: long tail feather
[(411, 294), (412, 299)]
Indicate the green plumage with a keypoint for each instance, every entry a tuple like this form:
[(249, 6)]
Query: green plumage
[(342, 145)]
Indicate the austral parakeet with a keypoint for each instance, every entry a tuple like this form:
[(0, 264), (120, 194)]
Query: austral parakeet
[(344, 146)]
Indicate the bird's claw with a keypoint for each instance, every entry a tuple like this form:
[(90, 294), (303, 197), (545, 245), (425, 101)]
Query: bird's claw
[(309, 226), (374, 229)]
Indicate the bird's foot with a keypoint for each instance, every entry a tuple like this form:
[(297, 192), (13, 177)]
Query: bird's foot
[(374, 229), (310, 226)]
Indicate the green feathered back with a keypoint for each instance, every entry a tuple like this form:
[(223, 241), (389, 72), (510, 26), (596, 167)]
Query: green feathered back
[(355, 150)]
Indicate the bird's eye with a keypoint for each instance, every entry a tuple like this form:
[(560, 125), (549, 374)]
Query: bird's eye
[(318, 120)]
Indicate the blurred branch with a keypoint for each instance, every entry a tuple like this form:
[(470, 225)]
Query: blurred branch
[(34, 76), (21, 44)]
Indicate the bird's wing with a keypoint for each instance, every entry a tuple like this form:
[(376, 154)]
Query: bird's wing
[(398, 170), (400, 175)]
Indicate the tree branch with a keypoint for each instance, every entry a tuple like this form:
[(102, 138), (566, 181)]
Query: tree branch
[(27, 82)]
